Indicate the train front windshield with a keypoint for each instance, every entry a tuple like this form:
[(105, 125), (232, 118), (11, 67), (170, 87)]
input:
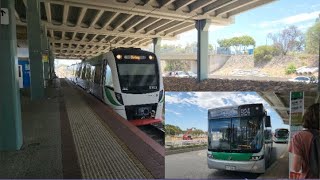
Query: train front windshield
[(138, 78), (237, 134)]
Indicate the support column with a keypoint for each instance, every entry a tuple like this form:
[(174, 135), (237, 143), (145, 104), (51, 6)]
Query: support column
[(10, 111), (45, 55), (156, 46), (202, 27), (35, 50)]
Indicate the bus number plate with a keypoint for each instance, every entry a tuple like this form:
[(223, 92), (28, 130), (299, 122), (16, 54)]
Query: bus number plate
[(230, 168)]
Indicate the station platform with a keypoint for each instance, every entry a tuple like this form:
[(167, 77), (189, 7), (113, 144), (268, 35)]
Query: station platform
[(279, 169), (70, 134)]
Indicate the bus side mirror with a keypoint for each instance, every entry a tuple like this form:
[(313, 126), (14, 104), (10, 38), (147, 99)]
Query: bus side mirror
[(268, 121)]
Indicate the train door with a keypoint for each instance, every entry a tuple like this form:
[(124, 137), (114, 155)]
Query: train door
[(20, 76)]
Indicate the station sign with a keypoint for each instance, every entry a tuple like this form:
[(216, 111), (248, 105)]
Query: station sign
[(295, 122), (4, 16)]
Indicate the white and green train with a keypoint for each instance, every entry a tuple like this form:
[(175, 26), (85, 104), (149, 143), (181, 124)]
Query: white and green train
[(128, 80), (239, 138)]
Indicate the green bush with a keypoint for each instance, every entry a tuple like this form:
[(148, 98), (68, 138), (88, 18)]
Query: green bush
[(265, 53), (291, 69)]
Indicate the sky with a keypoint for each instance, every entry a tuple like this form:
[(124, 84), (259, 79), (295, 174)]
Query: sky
[(258, 22), (190, 109)]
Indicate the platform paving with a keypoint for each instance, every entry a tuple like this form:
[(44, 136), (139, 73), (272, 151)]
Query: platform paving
[(65, 138), (99, 152), (279, 169), (40, 156)]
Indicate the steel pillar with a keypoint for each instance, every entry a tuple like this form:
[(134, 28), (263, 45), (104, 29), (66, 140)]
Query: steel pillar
[(35, 49), (202, 27), (10, 111)]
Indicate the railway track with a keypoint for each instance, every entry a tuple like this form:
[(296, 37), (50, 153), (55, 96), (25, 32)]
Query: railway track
[(155, 131)]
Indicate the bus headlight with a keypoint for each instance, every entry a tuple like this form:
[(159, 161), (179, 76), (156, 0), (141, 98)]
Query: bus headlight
[(119, 97), (210, 156), (256, 158), (160, 95)]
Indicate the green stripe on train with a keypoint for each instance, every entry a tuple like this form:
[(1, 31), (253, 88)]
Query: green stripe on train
[(110, 97), (162, 100), (232, 156)]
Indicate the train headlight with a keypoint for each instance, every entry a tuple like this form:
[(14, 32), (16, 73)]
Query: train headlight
[(119, 56), (160, 95), (119, 97), (151, 57), (256, 158)]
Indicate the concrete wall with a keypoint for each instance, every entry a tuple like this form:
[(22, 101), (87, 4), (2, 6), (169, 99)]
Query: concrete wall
[(217, 61)]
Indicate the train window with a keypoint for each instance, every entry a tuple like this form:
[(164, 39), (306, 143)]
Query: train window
[(83, 72), (88, 71), (97, 74), (92, 73), (108, 79), (79, 68)]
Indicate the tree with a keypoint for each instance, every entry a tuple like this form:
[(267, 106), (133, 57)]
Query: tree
[(313, 38), (240, 44), (172, 130), (289, 39)]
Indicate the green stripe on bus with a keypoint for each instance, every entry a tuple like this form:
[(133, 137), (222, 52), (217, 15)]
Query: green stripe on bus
[(110, 98), (232, 156)]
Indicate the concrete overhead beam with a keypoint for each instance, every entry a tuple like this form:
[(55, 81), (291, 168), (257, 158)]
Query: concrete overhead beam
[(147, 10), (92, 30), (249, 7), (233, 6)]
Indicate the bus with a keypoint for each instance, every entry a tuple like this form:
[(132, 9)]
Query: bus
[(281, 135), (239, 138), (129, 80)]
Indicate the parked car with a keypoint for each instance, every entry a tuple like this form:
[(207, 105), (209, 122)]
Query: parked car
[(304, 79), (192, 74), (180, 74)]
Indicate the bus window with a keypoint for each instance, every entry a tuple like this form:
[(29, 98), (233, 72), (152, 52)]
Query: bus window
[(108, 79), (97, 74)]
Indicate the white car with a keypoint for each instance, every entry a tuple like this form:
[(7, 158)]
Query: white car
[(180, 74), (304, 79), (192, 74)]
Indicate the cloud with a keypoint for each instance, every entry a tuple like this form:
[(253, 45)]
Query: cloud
[(208, 100), (174, 112), (290, 20)]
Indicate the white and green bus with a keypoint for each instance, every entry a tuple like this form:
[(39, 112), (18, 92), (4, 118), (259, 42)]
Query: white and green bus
[(239, 138)]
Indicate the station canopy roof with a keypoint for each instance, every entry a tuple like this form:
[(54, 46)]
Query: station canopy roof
[(86, 28), (280, 102)]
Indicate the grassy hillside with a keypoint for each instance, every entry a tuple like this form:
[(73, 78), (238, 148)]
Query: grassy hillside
[(242, 64)]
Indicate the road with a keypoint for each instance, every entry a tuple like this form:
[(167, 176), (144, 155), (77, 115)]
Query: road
[(254, 78), (193, 165)]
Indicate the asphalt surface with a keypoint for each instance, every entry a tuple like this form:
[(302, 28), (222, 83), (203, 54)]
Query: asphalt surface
[(193, 165)]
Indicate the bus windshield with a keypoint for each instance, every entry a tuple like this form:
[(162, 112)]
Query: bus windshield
[(236, 134), (282, 133), (138, 78)]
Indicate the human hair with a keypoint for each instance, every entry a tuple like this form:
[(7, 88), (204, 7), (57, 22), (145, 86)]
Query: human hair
[(311, 117)]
